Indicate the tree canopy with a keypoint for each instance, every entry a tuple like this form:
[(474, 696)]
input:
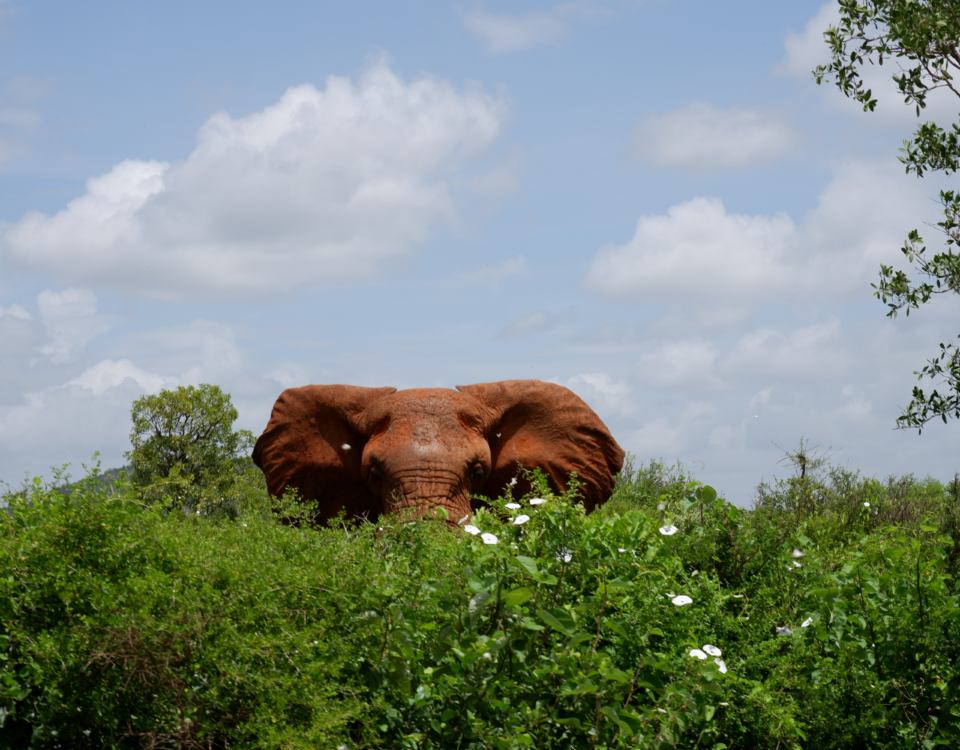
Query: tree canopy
[(921, 37), (185, 448)]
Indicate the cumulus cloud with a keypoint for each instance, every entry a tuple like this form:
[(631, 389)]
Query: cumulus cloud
[(71, 320), (110, 373), (322, 186), (686, 365), (698, 251), (813, 352), (608, 397), (701, 137), (505, 33), (664, 437), (57, 412), (539, 322)]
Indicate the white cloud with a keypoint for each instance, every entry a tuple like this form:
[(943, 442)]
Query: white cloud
[(201, 352), (505, 33), (110, 373), (701, 137), (71, 320), (320, 187), (610, 398), (540, 322), (15, 311), (699, 252), (814, 352), (502, 32), (805, 50), (687, 365), (667, 437)]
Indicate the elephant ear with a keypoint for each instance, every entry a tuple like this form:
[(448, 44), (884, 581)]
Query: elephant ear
[(536, 424), (314, 444)]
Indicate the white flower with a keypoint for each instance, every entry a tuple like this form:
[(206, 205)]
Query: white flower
[(513, 482), (489, 538), (698, 653), (564, 555), (721, 664), (669, 530), (807, 623), (797, 553), (784, 630), (662, 710), (712, 650), (345, 446), (512, 506), (520, 520), (471, 529), (487, 655), (537, 501), (723, 704), (244, 524), (866, 505), (661, 506), (463, 519), (681, 600), (796, 564), (620, 549)]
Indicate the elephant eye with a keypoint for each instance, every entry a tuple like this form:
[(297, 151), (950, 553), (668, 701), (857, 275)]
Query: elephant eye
[(375, 475), (477, 472)]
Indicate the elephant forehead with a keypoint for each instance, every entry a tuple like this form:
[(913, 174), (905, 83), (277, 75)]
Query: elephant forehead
[(427, 411)]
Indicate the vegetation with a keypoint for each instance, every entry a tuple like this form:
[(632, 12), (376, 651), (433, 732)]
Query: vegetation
[(825, 617), (922, 37), (186, 453)]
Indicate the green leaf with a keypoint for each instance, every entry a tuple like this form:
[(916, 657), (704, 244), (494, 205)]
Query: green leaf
[(477, 603), (578, 638), (616, 675), (628, 722), (527, 564), (517, 596), (530, 624), (617, 627), (580, 688), (709, 494), (687, 503), (558, 619)]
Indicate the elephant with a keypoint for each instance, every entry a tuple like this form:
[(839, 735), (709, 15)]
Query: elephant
[(373, 451)]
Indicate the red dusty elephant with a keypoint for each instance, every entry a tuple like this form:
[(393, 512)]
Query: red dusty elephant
[(379, 450)]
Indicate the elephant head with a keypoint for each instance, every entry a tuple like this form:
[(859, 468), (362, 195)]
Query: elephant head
[(369, 451)]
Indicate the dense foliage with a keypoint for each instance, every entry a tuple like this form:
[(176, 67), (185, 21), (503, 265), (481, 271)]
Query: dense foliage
[(826, 617), (921, 40), (186, 453)]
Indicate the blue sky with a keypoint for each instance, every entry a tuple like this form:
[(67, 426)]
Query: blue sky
[(649, 202)]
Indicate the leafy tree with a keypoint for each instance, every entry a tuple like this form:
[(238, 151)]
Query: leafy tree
[(186, 452), (923, 38)]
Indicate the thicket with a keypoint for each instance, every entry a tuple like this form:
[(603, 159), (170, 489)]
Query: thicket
[(825, 617)]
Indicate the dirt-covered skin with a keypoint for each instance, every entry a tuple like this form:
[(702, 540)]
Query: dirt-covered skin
[(368, 451)]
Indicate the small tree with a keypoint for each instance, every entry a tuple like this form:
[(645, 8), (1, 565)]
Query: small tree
[(186, 452)]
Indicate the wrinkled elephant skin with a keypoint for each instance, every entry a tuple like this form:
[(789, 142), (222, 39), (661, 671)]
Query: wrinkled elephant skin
[(369, 451)]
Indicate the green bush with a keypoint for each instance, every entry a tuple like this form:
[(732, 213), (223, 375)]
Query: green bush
[(536, 626)]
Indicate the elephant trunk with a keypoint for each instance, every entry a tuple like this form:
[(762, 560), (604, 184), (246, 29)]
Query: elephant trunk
[(420, 496)]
